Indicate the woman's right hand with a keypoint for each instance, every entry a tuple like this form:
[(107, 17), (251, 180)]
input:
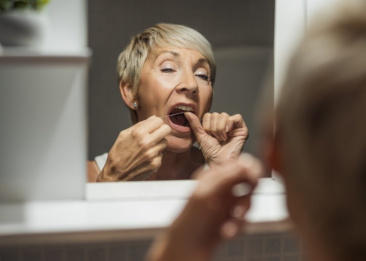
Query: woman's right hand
[(137, 152), (215, 211)]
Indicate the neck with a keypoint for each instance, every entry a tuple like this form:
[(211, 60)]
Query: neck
[(177, 166)]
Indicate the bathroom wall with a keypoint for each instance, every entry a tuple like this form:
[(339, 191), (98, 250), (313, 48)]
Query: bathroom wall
[(256, 247), (241, 33)]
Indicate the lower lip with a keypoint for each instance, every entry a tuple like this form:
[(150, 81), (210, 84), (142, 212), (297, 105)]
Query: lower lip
[(177, 127)]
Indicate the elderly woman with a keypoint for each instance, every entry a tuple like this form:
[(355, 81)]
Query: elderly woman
[(166, 76)]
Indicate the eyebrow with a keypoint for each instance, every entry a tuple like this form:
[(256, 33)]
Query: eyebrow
[(158, 54), (203, 61), (175, 54)]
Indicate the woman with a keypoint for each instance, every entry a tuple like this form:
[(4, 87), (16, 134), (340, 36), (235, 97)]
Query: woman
[(166, 75)]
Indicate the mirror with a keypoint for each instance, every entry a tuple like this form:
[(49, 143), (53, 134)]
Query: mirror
[(242, 37)]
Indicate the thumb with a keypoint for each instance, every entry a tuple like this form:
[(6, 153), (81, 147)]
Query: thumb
[(196, 126)]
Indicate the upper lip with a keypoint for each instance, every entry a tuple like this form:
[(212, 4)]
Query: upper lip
[(192, 105)]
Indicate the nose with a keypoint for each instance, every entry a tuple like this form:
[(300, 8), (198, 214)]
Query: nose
[(188, 84)]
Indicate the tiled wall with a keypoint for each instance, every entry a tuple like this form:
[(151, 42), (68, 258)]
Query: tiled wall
[(260, 247)]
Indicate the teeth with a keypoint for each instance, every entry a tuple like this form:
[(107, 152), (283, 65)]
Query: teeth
[(184, 108)]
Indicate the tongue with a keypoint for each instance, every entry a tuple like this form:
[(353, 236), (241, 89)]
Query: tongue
[(179, 120)]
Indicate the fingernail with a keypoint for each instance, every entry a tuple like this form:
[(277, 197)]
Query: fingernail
[(238, 212), (229, 229), (240, 190)]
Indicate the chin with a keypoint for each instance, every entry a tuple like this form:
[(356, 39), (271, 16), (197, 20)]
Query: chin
[(179, 145)]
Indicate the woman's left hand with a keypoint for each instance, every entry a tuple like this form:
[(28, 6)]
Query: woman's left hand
[(221, 136)]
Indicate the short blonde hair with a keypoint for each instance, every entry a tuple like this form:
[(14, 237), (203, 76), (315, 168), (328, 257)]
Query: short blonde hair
[(133, 57), (322, 128)]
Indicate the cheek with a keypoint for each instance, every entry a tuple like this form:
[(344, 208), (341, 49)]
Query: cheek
[(206, 99), (156, 88)]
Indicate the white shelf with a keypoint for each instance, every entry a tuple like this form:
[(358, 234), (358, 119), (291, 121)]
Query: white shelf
[(33, 55), (121, 218)]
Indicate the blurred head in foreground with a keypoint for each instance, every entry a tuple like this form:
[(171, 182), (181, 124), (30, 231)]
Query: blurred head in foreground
[(320, 140)]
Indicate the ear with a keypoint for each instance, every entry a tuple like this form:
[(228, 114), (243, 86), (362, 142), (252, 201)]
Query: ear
[(126, 94)]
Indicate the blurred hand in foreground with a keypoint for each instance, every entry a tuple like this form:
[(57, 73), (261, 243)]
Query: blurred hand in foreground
[(215, 211)]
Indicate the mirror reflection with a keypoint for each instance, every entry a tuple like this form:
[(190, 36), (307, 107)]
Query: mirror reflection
[(166, 93)]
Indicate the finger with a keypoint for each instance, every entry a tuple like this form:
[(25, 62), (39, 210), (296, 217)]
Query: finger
[(151, 160), (235, 121), (240, 208), (230, 228), (150, 124), (206, 121), (160, 133), (222, 127), (221, 179), (146, 141), (254, 167), (161, 145), (247, 169), (213, 125), (155, 151), (196, 126), (156, 162)]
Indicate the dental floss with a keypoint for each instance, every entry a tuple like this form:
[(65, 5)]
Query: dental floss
[(171, 115)]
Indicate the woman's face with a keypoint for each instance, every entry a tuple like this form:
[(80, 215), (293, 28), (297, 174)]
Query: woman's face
[(174, 80)]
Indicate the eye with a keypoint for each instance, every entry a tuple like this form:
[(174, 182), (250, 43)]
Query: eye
[(203, 77), (203, 74), (167, 70), (167, 66)]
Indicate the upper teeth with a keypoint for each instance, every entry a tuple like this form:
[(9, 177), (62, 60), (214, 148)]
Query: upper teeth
[(184, 108)]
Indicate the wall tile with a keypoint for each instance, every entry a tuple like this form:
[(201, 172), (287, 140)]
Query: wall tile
[(263, 247), (236, 248), (97, 253), (291, 258), (291, 244), (137, 251), (74, 254), (272, 258), (11, 255), (51, 254), (117, 253), (32, 254), (254, 245), (272, 245)]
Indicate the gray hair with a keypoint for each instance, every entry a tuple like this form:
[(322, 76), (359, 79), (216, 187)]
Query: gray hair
[(133, 57), (322, 126)]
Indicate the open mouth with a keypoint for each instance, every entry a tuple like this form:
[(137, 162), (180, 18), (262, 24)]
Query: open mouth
[(177, 117)]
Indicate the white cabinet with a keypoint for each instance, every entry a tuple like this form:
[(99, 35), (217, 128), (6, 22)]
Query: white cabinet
[(43, 122)]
